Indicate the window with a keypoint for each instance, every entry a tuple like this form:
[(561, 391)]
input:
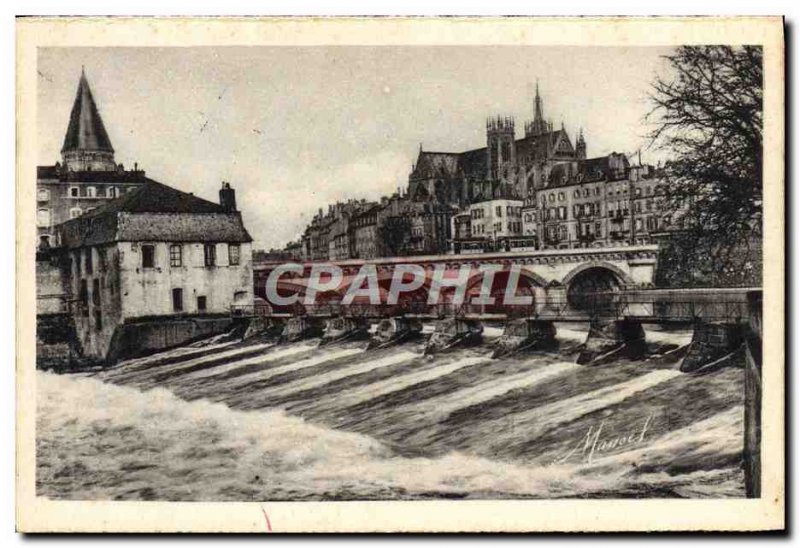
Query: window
[(42, 194), (75, 212), (43, 217), (201, 302), (74, 192), (88, 261), (102, 260), (498, 211), (210, 254), (233, 254), (560, 196), (83, 297), (176, 255), (177, 299), (91, 192), (112, 192), (577, 193), (562, 212), (98, 320), (148, 256), (96, 292)]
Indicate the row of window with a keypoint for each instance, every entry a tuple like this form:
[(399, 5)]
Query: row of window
[(176, 255), (43, 194), (586, 192), (177, 300)]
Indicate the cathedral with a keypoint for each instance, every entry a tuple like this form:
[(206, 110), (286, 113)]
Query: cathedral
[(506, 168)]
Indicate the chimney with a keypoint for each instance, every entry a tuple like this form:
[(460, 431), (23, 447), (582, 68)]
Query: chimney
[(227, 197)]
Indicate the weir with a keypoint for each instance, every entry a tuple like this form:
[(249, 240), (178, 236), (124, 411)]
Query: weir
[(525, 334), (713, 344), (394, 331), (301, 327), (341, 329), (453, 332), (613, 339)]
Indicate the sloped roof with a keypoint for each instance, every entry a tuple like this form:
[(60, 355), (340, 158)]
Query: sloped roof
[(86, 130), (473, 163), (155, 197), (436, 164), (155, 212)]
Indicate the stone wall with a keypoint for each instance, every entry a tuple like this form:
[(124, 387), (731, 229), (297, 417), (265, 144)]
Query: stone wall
[(139, 338)]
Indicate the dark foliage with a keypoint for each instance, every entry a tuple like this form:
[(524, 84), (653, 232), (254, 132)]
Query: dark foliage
[(709, 117), (394, 234)]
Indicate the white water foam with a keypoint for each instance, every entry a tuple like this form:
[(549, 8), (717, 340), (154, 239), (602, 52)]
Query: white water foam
[(122, 374), (529, 424), (368, 392), (265, 358), (174, 353), (102, 441), (488, 391), (298, 365), (326, 378)]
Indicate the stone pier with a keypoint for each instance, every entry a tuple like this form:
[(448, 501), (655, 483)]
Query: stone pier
[(614, 338), (301, 327), (712, 344), (452, 332), (394, 331), (525, 334), (340, 329), (267, 328)]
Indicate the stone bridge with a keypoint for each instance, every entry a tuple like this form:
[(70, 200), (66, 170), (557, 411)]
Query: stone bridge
[(550, 274)]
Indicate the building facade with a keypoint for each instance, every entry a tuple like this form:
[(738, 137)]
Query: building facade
[(154, 265), (538, 191)]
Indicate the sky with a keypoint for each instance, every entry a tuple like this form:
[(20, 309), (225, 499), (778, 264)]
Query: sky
[(296, 128)]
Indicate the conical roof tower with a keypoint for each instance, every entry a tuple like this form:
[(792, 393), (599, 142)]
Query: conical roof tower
[(86, 143)]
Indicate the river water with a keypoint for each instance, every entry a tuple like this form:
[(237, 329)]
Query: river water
[(258, 421)]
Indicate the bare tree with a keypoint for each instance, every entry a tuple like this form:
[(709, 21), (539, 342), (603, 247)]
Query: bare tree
[(709, 117)]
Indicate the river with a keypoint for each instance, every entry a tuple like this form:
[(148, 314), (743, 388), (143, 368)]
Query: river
[(256, 421)]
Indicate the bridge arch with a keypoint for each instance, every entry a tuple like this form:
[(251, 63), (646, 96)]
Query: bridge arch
[(622, 276), (594, 287)]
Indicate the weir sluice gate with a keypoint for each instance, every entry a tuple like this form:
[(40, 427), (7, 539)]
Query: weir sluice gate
[(460, 298)]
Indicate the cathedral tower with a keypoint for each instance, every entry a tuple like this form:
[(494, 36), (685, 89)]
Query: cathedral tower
[(86, 144), (539, 125), (500, 147)]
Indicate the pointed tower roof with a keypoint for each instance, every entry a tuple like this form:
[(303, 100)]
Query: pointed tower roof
[(86, 130)]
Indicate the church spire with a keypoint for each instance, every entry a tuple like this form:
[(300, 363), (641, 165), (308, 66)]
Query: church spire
[(86, 143), (538, 126)]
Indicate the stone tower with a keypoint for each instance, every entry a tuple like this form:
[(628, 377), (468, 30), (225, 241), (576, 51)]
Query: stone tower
[(539, 125), (580, 146), (86, 144), (500, 147)]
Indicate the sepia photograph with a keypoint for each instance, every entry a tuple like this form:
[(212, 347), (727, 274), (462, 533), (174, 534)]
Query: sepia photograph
[(486, 272)]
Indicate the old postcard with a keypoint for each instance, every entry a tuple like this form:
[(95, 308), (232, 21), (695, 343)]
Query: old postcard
[(400, 274)]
